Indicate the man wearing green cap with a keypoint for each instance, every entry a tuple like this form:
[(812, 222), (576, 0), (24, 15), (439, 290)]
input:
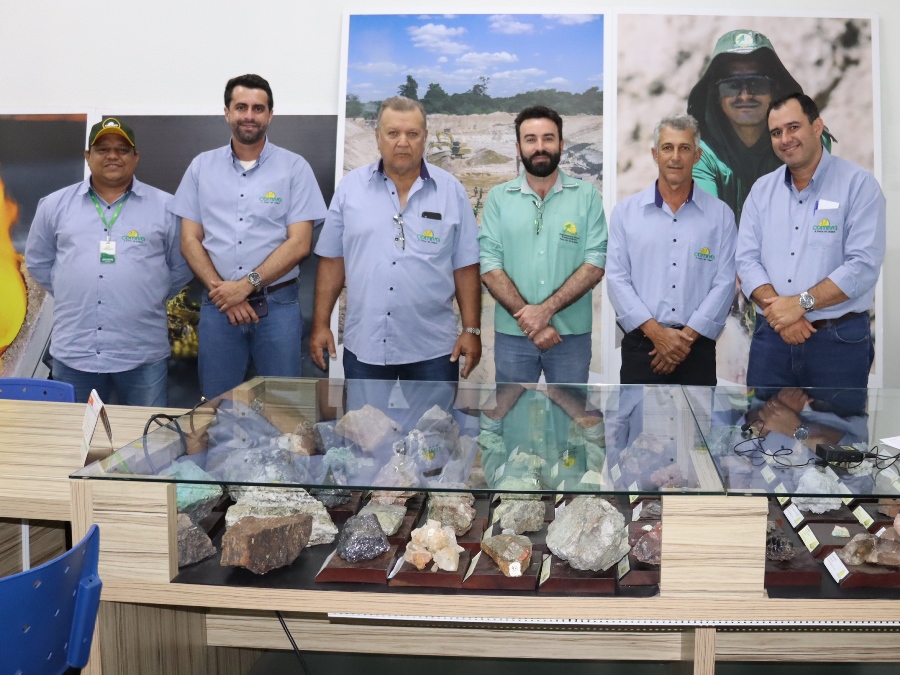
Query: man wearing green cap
[(107, 250), (730, 102)]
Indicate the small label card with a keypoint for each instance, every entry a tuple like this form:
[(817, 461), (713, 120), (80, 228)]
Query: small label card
[(768, 475), (843, 489), (808, 538), (831, 474), (781, 490), (632, 498), (554, 472), (559, 509), (896, 485), (624, 567), (95, 410), (792, 513), (863, 517), (615, 472), (836, 567), (636, 513), (881, 532), (472, 566), (489, 532), (545, 570), (592, 477), (327, 560), (512, 455), (499, 472), (397, 567)]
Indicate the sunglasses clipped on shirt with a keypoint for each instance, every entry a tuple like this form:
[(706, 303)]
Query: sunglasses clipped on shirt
[(754, 85)]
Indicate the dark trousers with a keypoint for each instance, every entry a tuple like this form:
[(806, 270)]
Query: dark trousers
[(699, 368), (440, 369)]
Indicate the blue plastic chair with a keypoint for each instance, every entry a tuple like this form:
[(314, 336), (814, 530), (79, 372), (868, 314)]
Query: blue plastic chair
[(49, 613), (31, 389)]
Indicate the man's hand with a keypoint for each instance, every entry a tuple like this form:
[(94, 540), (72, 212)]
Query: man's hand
[(532, 319), (469, 346), (782, 311), (321, 339), (229, 294), (546, 338), (794, 398), (798, 332), (671, 344), (661, 366), (242, 313), (778, 417)]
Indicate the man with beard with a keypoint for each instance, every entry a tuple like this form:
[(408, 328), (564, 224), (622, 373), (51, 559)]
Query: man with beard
[(247, 212), (543, 248), (670, 272), (730, 103)]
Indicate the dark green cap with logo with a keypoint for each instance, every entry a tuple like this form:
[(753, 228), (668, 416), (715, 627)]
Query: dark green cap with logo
[(110, 125)]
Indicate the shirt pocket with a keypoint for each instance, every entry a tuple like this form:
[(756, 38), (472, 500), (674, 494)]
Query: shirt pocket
[(703, 259), (826, 230), (426, 236), (567, 237)]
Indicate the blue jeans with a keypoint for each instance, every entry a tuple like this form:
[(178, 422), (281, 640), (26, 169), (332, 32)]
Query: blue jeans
[(440, 369), (273, 343), (836, 359), (516, 359), (145, 385)]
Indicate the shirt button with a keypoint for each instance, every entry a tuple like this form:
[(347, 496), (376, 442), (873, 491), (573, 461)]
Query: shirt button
[(243, 174), (673, 309), (392, 288), (98, 351), (792, 253), (241, 219), (240, 268), (674, 240), (99, 302), (101, 276), (675, 220), (99, 327), (674, 265), (542, 282), (789, 281), (242, 195), (394, 263), (801, 201), (389, 313), (673, 285), (240, 242)]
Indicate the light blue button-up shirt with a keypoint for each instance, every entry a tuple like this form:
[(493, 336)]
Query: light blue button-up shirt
[(675, 268), (400, 302), (833, 228), (107, 317), (245, 212)]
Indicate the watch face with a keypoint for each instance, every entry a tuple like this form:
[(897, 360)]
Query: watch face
[(807, 301), (254, 278), (802, 433)]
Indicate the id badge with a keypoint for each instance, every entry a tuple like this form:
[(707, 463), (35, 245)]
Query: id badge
[(107, 251)]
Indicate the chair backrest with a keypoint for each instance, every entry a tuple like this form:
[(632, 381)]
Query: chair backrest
[(31, 389), (49, 612)]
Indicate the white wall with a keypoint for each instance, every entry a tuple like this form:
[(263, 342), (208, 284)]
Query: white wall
[(169, 56)]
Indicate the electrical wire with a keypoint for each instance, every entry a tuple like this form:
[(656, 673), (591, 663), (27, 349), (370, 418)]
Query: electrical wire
[(293, 644)]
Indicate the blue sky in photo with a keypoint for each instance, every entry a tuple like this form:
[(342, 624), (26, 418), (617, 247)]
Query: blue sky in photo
[(518, 52)]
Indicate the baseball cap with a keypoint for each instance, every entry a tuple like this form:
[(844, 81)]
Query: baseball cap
[(110, 125)]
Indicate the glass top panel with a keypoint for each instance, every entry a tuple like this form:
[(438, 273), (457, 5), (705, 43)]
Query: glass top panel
[(766, 440), (429, 436)]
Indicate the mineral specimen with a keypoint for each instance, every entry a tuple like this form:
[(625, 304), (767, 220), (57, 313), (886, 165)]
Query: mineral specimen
[(193, 543), (390, 516), (418, 555), (649, 547), (651, 510), (264, 464), (280, 502), (815, 482), (779, 548), (398, 497), (362, 539), (889, 507), (440, 542), (511, 552), (193, 499), (589, 533), (332, 498), (439, 434), (668, 477), (521, 515), (345, 465), (263, 544), (453, 509), (399, 471), (867, 548), (324, 435), (368, 427), (841, 532), (897, 523), (303, 440)]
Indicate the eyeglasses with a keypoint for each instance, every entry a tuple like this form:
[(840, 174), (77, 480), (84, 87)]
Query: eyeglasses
[(539, 221), (754, 85), (399, 236)]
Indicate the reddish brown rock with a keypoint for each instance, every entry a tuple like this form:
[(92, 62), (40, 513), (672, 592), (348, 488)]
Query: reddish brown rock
[(264, 544), (889, 507), (648, 548)]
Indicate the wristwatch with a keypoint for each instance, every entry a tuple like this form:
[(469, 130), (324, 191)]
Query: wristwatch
[(254, 279), (473, 331), (801, 433), (807, 301)]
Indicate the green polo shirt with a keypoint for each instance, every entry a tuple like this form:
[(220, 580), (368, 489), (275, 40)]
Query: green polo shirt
[(540, 244)]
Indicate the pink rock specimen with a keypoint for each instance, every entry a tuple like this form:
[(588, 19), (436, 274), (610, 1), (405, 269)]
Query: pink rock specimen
[(668, 477), (649, 547), (264, 544), (368, 427), (867, 548), (511, 552)]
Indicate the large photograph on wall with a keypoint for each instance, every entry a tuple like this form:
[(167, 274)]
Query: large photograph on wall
[(39, 154), (677, 63), (473, 74)]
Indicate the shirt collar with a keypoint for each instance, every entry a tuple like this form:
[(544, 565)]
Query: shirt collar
[(378, 167), (824, 162), (266, 151), (137, 188), (525, 188), (658, 198)]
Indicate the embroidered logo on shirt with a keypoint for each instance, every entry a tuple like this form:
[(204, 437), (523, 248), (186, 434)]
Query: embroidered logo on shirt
[(270, 198), (134, 236), (569, 233), (704, 254), (824, 226), (428, 237)]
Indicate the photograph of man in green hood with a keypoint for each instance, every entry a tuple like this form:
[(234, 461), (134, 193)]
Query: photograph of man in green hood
[(730, 102)]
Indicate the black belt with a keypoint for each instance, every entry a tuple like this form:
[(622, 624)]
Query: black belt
[(274, 287), (824, 323)]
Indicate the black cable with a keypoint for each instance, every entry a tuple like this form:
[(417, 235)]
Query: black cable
[(293, 644), (169, 420)]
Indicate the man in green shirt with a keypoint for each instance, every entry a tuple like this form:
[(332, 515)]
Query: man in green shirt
[(543, 248)]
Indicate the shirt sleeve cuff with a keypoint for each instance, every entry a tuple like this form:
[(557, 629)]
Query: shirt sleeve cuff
[(489, 265), (843, 280), (751, 282), (596, 259), (635, 318), (705, 326)]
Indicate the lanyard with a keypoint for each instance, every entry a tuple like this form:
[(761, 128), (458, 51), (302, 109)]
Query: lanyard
[(108, 225)]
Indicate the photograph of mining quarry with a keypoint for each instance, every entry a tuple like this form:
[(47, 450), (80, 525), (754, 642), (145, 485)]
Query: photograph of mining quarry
[(473, 74)]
